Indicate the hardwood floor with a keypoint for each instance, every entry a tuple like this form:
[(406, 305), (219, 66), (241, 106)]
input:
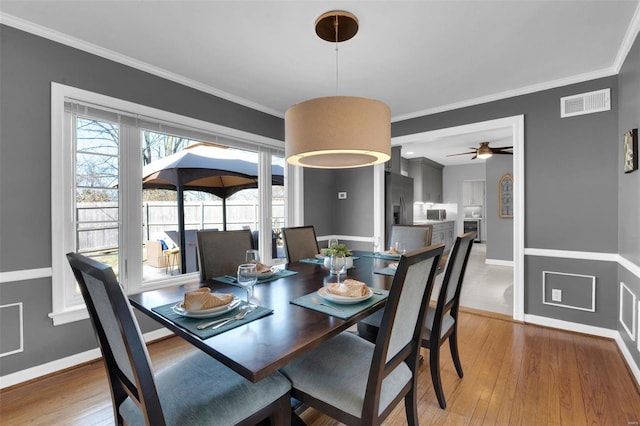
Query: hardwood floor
[(514, 374)]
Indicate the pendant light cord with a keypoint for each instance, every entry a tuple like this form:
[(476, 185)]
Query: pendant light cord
[(335, 25)]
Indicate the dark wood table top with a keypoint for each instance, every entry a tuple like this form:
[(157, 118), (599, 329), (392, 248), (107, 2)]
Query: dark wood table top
[(261, 347)]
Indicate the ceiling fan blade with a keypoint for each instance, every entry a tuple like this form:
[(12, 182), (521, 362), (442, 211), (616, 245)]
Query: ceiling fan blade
[(474, 157), (501, 147), (462, 153)]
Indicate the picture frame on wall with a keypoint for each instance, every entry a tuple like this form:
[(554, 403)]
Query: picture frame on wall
[(630, 151), (505, 196)]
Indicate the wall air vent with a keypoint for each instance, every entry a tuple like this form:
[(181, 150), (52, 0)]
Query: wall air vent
[(585, 103)]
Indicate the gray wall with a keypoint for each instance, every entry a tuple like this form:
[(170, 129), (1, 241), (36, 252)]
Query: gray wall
[(28, 65), (570, 165), (331, 216), (629, 187), (499, 230), (571, 182)]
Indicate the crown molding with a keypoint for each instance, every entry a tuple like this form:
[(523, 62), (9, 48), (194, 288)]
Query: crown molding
[(606, 72), (628, 40), (58, 37)]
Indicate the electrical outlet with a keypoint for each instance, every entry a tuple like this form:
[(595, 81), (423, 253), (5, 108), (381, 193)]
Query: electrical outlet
[(556, 295)]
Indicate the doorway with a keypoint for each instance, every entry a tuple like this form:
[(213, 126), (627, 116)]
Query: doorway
[(516, 125)]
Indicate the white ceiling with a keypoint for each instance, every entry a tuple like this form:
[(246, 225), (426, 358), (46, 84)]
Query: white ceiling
[(417, 56)]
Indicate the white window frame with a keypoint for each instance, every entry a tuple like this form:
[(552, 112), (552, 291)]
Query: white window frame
[(66, 306)]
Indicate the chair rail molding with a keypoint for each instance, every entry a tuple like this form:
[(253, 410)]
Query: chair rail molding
[(586, 255), (24, 275)]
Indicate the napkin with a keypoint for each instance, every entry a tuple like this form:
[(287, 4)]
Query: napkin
[(202, 298), (393, 265), (348, 288), (262, 268)]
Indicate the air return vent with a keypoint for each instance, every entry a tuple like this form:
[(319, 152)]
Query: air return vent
[(585, 103)]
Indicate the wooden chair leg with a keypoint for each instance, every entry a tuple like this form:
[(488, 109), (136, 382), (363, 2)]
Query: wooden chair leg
[(411, 407), (434, 360), (281, 415), (453, 345)]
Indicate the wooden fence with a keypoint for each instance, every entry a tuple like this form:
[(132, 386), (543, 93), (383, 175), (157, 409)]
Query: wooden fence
[(98, 222)]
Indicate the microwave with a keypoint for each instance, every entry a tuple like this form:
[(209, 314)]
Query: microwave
[(436, 214)]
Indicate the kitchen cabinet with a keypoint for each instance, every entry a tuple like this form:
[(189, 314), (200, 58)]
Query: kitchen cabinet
[(443, 232), (473, 193), (427, 180)]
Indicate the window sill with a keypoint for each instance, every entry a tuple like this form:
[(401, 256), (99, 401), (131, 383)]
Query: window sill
[(70, 315)]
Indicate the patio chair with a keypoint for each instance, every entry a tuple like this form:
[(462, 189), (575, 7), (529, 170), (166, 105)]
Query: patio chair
[(194, 390), (359, 383)]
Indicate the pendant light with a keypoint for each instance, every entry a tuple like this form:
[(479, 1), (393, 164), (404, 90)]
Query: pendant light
[(337, 131)]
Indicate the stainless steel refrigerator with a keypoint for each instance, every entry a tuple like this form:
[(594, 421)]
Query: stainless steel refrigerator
[(398, 201)]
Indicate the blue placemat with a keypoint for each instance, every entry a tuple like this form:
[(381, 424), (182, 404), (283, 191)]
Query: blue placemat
[(191, 324), (386, 271), (230, 279), (313, 260), (317, 261), (378, 255), (336, 310)]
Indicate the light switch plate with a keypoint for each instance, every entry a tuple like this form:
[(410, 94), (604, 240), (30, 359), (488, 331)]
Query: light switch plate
[(556, 295), (342, 195)]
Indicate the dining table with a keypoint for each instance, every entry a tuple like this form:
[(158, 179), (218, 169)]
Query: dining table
[(293, 318)]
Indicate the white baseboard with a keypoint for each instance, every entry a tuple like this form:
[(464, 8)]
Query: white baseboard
[(68, 362), (499, 262), (571, 326)]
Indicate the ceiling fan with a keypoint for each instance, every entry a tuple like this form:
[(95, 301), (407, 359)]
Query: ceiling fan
[(485, 151)]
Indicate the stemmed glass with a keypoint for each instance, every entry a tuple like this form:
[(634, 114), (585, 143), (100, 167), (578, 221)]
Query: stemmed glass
[(332, 242), (247, 278), (252, 256), (400, 247), (376, 244), (338, 265)]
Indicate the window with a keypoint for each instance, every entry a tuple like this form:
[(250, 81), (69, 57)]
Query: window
[(101, 148)]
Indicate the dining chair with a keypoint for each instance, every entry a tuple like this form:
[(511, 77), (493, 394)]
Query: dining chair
[(358, 382), (196, 389), (300, 243), (220, 252), (441, 323), (413, 236)]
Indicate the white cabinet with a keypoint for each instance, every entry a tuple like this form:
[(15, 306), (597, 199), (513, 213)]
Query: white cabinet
[(427, 180), (473, 193)]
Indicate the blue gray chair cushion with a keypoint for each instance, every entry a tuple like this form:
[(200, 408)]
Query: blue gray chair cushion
[(200, 388), (337, 373)]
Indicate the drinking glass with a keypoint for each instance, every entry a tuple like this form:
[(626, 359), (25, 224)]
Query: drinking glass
[(400, 247), (332, 242), (247, 278), (338, 265), (252, 256), (376, 244)]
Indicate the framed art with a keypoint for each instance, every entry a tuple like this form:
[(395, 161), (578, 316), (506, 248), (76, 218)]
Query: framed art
[(505, 196), (630, 151)]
